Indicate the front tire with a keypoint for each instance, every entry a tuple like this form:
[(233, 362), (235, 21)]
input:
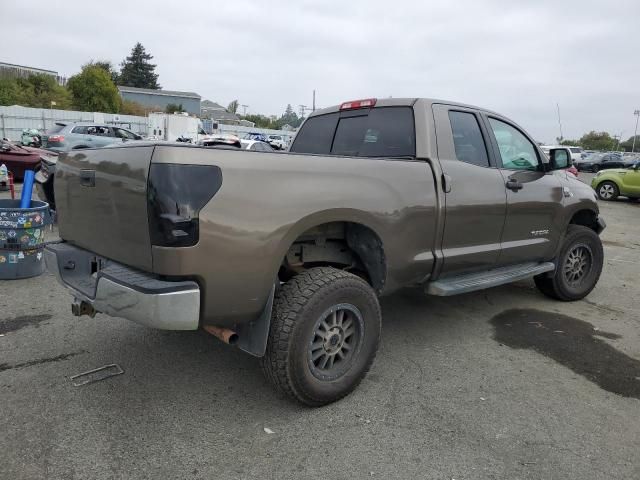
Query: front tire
[(595, 169), (608, 191), (578, 266), (324, 334)]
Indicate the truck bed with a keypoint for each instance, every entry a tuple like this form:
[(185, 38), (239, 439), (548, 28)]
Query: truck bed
[(265, 201)]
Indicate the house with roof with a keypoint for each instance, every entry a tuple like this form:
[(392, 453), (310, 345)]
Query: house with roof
[(159, 99), (217, 113)]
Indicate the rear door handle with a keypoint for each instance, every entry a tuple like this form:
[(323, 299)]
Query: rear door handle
[(514, 185)]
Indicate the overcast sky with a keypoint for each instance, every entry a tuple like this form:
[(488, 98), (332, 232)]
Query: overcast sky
[(516, 57)]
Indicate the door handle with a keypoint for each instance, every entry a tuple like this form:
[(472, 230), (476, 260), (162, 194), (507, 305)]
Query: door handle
[(446, 182), (514, 185)]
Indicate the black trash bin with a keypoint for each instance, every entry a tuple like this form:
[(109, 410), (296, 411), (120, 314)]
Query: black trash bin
[(22, 238)]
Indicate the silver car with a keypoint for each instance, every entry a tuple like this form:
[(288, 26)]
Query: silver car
[(63, 137)]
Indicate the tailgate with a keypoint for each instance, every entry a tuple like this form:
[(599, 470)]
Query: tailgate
[(101, 199)]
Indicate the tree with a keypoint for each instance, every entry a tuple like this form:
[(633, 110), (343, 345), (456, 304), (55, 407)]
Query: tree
[(35, 91), (570, 143), (136, 71), (233, 106), (11, 93), (289, 117), (628, 145), (129, 107), (259, 120), (107, 66), (597, 141), (93, 91), (173, 107)]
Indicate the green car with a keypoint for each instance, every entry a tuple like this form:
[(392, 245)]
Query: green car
[(609, 184)]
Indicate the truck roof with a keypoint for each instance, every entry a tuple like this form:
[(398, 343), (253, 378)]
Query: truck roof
[(402, 102)]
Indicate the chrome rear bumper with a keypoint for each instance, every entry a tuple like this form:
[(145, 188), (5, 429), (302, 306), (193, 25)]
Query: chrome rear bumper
[(120, 291)]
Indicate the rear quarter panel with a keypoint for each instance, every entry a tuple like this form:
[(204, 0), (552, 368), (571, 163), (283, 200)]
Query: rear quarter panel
[(267, 200)]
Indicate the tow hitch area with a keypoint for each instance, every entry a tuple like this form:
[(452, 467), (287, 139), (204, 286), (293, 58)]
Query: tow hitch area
[(80, 308)]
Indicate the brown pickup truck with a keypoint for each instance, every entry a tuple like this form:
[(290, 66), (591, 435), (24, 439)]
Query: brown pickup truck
[(284, 255)]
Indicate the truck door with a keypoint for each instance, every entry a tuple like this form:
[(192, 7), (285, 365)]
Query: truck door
[(475, 198), (534, 198)]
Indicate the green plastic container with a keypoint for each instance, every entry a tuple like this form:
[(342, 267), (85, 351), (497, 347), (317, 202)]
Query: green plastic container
[(22, 238)]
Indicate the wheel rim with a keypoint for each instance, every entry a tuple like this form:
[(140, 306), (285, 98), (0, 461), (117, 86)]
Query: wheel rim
[(335, 342), (606, 191), (578, 264)]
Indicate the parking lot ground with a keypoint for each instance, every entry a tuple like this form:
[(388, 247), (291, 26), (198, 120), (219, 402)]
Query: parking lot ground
[(497, 384)]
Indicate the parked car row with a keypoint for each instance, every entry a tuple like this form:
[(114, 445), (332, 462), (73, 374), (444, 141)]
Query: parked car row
[(277, 142), (602, 161)]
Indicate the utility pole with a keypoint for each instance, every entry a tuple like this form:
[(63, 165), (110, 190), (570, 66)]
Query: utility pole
[(314, 104), (559, 122), (244, 110), (618, 138), (303, 109), (635, 133)]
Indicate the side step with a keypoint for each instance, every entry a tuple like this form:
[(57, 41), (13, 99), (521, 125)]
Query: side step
[(492, 278)]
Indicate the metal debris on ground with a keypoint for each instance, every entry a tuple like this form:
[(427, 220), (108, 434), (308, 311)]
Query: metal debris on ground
[(96, 375)]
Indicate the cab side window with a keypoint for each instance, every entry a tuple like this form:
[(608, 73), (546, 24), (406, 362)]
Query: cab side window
[(516, 151), (467, 139)]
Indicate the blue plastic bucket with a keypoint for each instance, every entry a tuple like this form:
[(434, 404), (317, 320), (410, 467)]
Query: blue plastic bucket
[(22, 238)]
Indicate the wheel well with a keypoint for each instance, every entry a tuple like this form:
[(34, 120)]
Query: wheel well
[(586, 218), (345, 245), (79, 147)]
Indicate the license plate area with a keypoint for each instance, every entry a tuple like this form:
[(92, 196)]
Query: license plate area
[(79, 269)]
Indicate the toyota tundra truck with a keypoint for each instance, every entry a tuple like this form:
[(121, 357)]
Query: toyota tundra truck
[(284, 255)]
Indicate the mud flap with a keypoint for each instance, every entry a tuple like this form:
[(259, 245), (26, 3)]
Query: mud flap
[(252, 336)]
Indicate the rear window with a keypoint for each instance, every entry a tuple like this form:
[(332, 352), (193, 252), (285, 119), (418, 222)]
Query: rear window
[(378, 132), (575, 150), (57, 128)]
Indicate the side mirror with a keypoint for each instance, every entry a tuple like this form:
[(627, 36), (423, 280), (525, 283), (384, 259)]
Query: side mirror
[(559, 159), (138, 137)]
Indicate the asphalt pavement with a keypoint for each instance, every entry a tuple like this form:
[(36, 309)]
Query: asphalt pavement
[(497, 384)]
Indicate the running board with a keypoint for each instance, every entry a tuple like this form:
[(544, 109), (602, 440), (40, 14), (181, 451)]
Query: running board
[(492, 278)]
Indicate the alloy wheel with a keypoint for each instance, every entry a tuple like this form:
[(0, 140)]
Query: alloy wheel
[(336, 341)]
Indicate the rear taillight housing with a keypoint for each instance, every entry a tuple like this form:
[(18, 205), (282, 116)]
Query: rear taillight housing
[(175, 196), (56, 138)]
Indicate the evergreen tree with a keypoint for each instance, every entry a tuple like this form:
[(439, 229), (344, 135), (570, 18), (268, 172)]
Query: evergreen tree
[(136, 71)]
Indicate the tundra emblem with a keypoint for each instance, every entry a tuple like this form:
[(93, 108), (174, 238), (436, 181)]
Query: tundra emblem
[(539, 233)]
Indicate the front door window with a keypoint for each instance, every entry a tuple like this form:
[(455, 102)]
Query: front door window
[(516, 151)]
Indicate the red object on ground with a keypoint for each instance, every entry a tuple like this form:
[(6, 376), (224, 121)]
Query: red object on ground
[(18, 158)]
